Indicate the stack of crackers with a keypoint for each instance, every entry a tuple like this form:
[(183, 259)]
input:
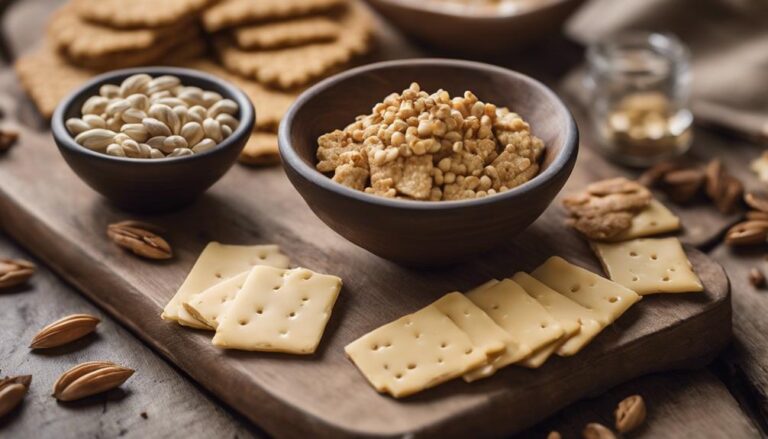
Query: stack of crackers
[(272, 49)]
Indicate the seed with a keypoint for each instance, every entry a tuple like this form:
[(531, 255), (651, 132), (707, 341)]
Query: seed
[(192, 97), (64, 330), (156, 142), (181, 113), (212, 130), (96, 138), (156, 128), (94, 121), (88, 379), (204, 145), (139, 239), (76, 125), (94, 105), (109, 91), (210, 98), (136, 131), (155, 153), (228, 120), (180, 152), (630, 414), (192, 132), (133, 115), (165, 114), (594, 430), (115, 150), (226, 106), (170, 102), (10, 397), (117, 106), (138, 101), (138, 83), (174, 142), (197, 114), (14, 272), (162, 83), (226, 131)]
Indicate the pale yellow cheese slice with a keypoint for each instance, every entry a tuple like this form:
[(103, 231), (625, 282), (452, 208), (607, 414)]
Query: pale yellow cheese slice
[(481, 329), (566, 311), (207, 306), (653, 220), (607, 299), (278, 310), (649, 266), (485, 285), (415, 352), (216, 263), (529, 324)]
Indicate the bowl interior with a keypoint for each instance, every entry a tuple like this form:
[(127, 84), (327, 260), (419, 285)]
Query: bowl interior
[(70, 107), (334, 103)]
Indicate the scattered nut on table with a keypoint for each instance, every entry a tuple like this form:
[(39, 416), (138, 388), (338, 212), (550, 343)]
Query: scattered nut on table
[(153, 118), (140, 238), (64, 330), (630, 413), (8, 138), (593, 430), (89, 379), (12, 392), (756, 277), (15, 272)]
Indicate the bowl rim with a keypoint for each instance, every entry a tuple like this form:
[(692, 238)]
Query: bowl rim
[(291, 158), (65, 140), (491, 13)]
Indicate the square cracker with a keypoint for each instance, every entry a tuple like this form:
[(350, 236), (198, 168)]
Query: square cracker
[(216, 263), (649, 266), (289, 33), (415, 352), (229, 13), (566, 311), (278, 311), (138, 13), (270, 105), (207, 306), (481, 329), (529, 324), (260, 150), (607, 299), (653, 220), (297, 66)]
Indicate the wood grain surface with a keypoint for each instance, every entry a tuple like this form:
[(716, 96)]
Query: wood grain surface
[(685, 404)]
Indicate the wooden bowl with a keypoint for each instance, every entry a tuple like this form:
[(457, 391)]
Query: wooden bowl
[(145, 185), (422, 233), (476, 30)]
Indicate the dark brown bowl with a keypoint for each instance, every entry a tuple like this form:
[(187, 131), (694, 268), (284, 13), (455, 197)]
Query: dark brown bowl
[(159, 185), (425, 233), (476, 31)]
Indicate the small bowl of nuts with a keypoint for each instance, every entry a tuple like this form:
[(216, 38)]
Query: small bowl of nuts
[(427, 162), (152, 139)]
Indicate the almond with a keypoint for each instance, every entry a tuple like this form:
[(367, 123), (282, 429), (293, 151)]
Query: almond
[(12, 391), (89, 379), (630, 413), (65, 330), (593, 430), (15, 272), (747, 233), (142, 242)]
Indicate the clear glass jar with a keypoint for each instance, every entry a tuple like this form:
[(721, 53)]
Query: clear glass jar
[(640, 85)]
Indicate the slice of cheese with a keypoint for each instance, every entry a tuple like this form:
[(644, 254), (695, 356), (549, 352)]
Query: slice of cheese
[(216, 263), (653, 220), (485, 285), (207, 306), (529, 324), (278, 311), (415, 352), (566, 311), (649, 266), (481, 329), (607, 299)]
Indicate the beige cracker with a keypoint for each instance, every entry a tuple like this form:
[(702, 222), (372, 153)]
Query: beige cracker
[(566, 311), (216, 263), (229, 13), (649, 266), (260, 150), (481, 329), (138, 13), (288, 33), (207, 306), (295, 67), (609, 300), (278, 311), (653, 220), (270, 105), (415, 352), (80, 39), (522, 317)]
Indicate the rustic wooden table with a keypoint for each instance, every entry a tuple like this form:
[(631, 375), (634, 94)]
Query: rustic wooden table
[(727, 399)]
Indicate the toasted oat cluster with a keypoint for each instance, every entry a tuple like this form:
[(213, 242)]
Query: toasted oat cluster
[(432, 147)]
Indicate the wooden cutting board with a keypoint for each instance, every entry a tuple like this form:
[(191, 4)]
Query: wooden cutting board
[(50, 211)]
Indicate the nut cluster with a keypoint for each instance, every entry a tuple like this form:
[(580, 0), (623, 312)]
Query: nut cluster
[(432, 147), (754, 229), (153, 118)]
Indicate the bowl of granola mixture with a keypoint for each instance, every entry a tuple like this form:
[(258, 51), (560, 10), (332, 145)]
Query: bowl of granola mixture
[(427, 162)]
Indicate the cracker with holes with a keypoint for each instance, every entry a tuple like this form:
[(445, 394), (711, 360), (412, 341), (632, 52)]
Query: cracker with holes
[(278, 311), (649, 266), (581, 323), (216, 263), (608, 299), (653, 220), (529, 324), (481, 329), (207, 306), (415, 352)]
